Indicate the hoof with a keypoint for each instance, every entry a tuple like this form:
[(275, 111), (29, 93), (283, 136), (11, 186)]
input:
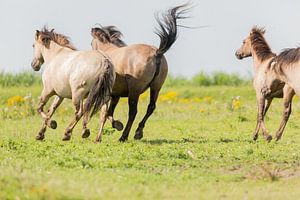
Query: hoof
[(52, 124), (255, 137), (269, 138), (123, 139), (277, 138), (86, 133), (97, 141), (117, 125), (138, 135), (40, 137), (66, 138)]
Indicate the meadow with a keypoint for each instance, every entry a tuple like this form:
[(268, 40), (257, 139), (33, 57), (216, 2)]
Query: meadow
[(197, 145)]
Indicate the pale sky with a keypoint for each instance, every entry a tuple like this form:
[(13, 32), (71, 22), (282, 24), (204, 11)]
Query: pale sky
[(207, 49)]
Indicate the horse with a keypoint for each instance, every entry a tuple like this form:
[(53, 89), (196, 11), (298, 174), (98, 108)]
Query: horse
[(286, 68), (256, 46), (74, 75), (138, 67)]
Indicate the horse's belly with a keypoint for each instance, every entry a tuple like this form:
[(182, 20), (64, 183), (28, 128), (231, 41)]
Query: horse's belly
[(64, 92)]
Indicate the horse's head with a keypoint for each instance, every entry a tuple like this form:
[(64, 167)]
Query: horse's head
[(245, 50), (41, 41), (256, 44)]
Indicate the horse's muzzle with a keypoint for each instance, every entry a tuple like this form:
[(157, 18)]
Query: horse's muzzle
[(238, 55), (36, 65)]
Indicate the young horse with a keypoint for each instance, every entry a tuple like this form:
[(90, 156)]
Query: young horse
[(256, 46), (286, 67), (71, 74), (138, 67)]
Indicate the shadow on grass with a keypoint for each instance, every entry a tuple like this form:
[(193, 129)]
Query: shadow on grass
[(171, 141), (235, 140)]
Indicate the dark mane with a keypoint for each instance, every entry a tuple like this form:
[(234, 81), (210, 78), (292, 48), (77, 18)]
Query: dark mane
[(58, 38), (288, 56), (259, 44), (109, 34)]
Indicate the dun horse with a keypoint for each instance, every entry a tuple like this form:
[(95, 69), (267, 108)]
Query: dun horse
[(286, 67), (71, 74), (256, 46), (138, 67)]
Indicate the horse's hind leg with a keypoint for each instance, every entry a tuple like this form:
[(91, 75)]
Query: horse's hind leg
[(110, 113), (103, 116), (45, 96), (151, 107), (78, 115), (287, 103), (132, 102)]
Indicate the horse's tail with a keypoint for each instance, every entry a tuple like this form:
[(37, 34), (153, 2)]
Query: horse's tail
[(100, 93), (167, 31)]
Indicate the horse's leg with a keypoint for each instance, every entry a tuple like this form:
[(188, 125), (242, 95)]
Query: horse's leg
[(132, 103), (45, 96), (261, 112), (52, 123), (78, 114), (151, 107), (103, 114), (288, 95), (258, 123), (110, 114), (267, 106)]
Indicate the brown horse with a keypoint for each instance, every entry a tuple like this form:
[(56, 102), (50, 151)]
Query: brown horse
[(256, 46), (138, 67)]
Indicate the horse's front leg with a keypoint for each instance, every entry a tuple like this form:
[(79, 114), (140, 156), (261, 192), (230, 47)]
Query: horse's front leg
[(132, 103), (45, 96), (267, 106), (110, 113), (78, 114), (261, 112), (56, 103), (288, 95)]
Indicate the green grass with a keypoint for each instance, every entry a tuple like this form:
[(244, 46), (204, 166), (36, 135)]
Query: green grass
[(190, 150)]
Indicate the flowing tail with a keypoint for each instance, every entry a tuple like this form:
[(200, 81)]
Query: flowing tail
[(167, 31), (101, 91)]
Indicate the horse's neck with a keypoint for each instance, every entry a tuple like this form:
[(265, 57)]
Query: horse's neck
[(53, 50), (108, 47), (258, 63)]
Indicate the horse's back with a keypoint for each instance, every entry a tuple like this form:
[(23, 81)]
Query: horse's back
[(76, 70), (136, 65)]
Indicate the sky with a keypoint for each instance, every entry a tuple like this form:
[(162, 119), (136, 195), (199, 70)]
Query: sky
[(208, 49)]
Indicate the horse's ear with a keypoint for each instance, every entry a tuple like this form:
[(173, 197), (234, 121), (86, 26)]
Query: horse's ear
[(46, 40), (37, 32)]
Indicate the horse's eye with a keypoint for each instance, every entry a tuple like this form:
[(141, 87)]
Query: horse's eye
[(244, 42), (33, 46)]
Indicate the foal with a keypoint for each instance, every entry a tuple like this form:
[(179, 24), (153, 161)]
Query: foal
[(71, 74), (256, 46), (138, 67), (286, 67)]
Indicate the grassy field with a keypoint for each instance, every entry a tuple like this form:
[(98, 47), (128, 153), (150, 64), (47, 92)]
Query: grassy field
[(197, 145)]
